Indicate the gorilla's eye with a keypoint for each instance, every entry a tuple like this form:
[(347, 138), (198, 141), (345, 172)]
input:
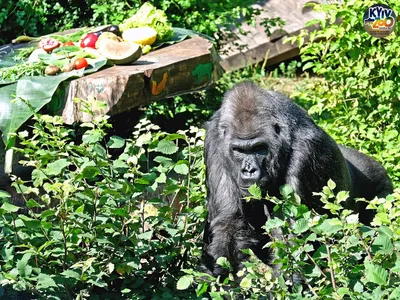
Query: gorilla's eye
[(260, 149), (277, 128), (238, 150)]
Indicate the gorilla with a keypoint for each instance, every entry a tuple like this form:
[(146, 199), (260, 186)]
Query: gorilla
[(262, 137)]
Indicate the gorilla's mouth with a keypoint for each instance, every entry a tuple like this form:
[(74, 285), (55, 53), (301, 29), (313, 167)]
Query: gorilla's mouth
[(244, 189)]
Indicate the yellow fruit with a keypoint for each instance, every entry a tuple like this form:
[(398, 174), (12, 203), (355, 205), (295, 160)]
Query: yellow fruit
[(119, 52), (142, 35)]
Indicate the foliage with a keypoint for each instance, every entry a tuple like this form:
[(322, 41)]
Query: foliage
[(105, 217), (286, 69), (358, 102), (12, 74), (37, 18), (318, 256)]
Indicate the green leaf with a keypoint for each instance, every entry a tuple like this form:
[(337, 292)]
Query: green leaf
[(286, 191), (300, 226), (396, 268), (382, 244), (308, 65), (223, 262), (358, 287), (164, 161), (92, 136), (89, 172), (395, 294), (71, 274), (375, 274), (146, 235), (184, 282), (245, 282), (32, 204), (385, 230), (343, 291), (98, 282), (255, 191), (179, 35), (4, 194), (382, 218), (143, 139), (116, 142), (331, 184), (330, 226), (273, 223), (342, 196), (201, 288), (162, 178), (167, 147), (30, 223), (119, 164), (56, 167), (22, 265), (9, 207), (181, 167), (38, 177), (45, 281)]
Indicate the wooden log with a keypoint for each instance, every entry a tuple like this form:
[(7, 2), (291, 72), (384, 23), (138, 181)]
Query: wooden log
[(177, 69)]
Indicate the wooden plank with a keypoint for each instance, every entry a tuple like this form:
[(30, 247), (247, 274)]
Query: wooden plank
[(180, 68), (295, 16)]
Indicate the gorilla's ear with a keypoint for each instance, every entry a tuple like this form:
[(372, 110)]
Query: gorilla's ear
[(315, 159)]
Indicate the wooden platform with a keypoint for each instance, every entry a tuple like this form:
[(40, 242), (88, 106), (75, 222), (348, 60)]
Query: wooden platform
[(181, 68), (258, 43)]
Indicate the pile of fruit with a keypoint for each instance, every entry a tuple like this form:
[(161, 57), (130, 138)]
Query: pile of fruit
[(107, 42), (118, 44)]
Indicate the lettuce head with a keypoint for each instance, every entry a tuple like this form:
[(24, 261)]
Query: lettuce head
[(149, 16)]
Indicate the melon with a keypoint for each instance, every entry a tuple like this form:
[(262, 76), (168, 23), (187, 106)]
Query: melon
[(119, 53), (141, 35)]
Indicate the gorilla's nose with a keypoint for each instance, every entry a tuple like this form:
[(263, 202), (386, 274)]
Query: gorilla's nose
[(250, 174)]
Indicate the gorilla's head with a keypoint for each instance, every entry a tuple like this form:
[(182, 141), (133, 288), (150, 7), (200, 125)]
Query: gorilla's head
[(255, 133)]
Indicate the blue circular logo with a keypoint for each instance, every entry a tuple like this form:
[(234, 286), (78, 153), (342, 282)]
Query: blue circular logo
[(379, 20)]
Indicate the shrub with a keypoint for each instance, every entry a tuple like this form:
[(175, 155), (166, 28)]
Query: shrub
[(358, 102), (320, 257), (103, 219)]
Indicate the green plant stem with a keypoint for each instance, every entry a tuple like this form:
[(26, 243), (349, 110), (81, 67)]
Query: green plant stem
[(365, 246), (315, 264), (65, 244), (331, 271)]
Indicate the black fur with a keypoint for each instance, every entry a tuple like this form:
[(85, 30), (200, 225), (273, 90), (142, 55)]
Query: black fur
[(263, 137)]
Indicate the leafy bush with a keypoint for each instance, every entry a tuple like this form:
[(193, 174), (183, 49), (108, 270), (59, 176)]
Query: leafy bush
[(103, 219), (319, 257), (358, 102)]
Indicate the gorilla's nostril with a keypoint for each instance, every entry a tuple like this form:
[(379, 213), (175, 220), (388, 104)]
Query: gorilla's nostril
[(250, 172)]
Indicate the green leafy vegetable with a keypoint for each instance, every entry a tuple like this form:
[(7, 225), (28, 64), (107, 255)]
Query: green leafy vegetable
[(152, 17), (14, 73)]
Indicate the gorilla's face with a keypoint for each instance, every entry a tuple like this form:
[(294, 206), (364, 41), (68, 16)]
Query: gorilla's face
[(255, 143), (250, 158)]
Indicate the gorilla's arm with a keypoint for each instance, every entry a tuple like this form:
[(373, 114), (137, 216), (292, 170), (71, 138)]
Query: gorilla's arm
[(369, 179), (226, 231), (315, 159)]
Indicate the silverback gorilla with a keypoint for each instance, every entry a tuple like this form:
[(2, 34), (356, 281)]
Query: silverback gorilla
[(262, 137)]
